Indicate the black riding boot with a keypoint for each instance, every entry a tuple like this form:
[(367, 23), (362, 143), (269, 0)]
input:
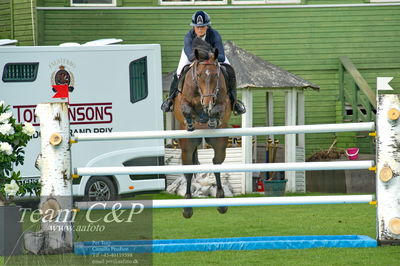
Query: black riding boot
[(166, 106), (238, 107)]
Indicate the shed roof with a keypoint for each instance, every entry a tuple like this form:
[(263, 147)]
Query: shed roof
[(254, 72)]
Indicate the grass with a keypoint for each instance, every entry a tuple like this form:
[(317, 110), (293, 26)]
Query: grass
[(242, 221)]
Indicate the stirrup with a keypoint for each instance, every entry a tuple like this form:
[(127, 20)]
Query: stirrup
[(166, 106)]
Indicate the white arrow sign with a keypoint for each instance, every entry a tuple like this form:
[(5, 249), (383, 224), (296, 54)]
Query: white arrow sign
[(382, 83)]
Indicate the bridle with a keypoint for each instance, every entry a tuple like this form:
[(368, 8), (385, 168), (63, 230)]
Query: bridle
[(196, 83)]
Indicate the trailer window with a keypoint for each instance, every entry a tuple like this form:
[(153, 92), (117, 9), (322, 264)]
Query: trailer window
[(138, 79), (20, 72), (193, 2)]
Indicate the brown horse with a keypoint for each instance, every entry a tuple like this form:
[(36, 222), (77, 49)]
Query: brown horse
[(203, 103)]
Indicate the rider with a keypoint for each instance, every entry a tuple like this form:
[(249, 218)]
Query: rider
[(201, 29)]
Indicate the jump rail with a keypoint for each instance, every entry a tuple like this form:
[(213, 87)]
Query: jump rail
[(182, 169), (255, 131), (214, 202)]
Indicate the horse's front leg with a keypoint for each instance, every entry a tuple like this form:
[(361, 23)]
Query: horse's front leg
[(188, 114), (215, 115)]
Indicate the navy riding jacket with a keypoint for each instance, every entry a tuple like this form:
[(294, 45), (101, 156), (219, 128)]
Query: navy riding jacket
[(212, 37)]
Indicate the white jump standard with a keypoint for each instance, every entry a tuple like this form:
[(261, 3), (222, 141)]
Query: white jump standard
[(388, 169)]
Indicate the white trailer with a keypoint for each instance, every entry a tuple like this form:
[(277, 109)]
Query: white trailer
[(112, 88)]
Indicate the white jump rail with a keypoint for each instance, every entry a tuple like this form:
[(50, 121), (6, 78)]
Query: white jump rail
[(214, 202), (182, 169), (225, 132)]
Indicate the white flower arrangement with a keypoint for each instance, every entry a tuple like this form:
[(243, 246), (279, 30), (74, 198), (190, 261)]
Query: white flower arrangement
[(6, 148), (11, 189), (5, 117), (13, 139), (7, 129), (28, 129)]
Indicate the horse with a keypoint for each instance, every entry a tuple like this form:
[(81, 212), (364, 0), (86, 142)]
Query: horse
[(203, 103)]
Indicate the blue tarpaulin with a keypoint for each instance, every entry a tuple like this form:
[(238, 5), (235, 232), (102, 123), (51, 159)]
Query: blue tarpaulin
[(214, 244)]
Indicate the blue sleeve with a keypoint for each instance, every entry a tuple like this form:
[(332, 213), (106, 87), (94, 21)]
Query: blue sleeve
[(218, 44), (188, 46)]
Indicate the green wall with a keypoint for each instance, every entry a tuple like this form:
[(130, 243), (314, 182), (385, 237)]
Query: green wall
[(16, 21), (306, 41), (5, 19)]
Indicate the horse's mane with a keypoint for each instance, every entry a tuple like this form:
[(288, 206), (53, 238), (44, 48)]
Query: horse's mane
[(203, 47)]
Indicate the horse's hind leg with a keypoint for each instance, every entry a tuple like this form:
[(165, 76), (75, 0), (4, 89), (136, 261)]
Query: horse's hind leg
[(189, 156), (188, 212), (220, 193), (219, 145)]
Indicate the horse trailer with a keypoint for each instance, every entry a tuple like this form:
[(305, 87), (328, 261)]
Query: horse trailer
[(111, 88)]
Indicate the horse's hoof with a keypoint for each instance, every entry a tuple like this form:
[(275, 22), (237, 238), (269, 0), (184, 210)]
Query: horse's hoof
[(187, 212), (190, 127), (212, 123), (222, 210)]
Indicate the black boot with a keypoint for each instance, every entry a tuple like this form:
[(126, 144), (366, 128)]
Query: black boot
[(238, 107), (166, 106)]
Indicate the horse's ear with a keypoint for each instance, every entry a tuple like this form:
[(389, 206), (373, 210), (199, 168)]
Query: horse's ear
[(196, 54)]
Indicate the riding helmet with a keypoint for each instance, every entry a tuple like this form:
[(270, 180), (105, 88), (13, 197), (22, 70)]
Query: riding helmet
[(200, 18)]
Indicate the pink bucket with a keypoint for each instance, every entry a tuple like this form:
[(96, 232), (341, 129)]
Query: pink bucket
[(352, 153)]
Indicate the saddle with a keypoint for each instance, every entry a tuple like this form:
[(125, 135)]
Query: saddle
[(182, 77), (229, 75)]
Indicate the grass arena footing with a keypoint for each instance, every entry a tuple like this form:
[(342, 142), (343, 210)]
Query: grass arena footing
[(218, 244)]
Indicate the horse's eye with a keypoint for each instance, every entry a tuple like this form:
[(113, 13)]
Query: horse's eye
[(198, 75)]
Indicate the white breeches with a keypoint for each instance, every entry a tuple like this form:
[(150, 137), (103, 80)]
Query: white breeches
[(185, 61)]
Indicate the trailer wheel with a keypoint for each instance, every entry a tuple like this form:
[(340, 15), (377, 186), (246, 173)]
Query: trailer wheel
[(100, 188)]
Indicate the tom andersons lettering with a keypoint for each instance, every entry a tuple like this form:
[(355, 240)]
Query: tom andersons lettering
[(79, 113)]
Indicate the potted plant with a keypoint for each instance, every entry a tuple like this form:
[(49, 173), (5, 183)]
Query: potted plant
[(13, 139)]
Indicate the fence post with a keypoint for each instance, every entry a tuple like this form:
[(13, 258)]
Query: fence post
[(247, 141), (388, 169), (341, 91), (56, 192)]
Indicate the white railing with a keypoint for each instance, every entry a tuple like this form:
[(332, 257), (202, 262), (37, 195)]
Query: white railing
[(256, 167), (213, 202), (224, 132)]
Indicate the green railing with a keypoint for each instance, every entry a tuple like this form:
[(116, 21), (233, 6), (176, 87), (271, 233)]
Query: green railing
[(356, 96)]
